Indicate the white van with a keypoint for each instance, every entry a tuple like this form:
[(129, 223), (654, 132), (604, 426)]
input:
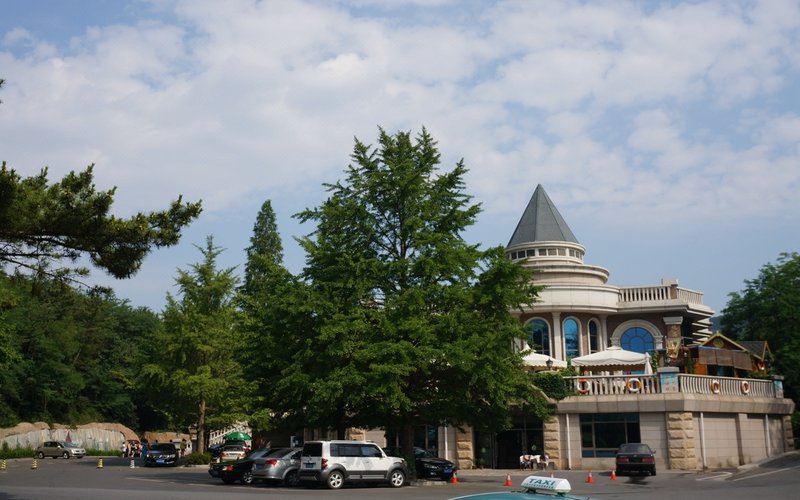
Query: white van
[(337, 462)]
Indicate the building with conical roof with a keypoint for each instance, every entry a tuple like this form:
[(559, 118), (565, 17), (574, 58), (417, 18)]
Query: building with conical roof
[(693, 419), (579, 312)]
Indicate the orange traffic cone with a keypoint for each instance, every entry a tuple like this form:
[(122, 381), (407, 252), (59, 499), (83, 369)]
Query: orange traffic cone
[(454, 478), (590, 479), (508, 480), (613, 475)]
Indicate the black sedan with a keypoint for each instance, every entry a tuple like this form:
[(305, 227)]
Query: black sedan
[(161, 454), (635, 457), (239, 470), (427, 465)]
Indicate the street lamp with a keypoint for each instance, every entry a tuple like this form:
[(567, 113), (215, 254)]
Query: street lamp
[(549, 363)]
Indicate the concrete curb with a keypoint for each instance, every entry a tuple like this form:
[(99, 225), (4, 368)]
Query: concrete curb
[(766, 461)]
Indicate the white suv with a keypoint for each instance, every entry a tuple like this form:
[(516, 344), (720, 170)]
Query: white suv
[(337, 462)]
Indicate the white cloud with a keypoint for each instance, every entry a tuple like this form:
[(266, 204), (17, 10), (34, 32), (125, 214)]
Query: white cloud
[(627, 112)]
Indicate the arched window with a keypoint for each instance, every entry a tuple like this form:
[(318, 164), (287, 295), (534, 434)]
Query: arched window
[(594, 337), (571, 338), (539, 336), (637, 339)]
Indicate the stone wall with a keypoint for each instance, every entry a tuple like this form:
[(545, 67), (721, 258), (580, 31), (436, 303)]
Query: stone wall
[(465, 452), (680, 441), (99, 436), (552, 441)]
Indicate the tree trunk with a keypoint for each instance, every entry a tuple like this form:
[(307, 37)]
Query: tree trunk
[(201, 427), (341, 427), (407, 438)]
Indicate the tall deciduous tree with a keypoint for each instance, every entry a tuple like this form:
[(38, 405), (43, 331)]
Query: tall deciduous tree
[(194, 360), (769, 309), (409, 324), (261, 297), (44, 225)]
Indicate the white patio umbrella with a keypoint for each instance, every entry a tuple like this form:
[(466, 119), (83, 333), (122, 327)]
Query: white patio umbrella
[(538, 361), (612, 359)]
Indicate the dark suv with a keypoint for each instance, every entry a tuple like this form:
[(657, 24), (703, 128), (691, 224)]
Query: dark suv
[(337, 462)]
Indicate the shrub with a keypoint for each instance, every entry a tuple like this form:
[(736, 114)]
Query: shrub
[(552, 384), (6, 452), (198, 458)]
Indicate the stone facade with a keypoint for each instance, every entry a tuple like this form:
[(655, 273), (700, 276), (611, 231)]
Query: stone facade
[(680, 441), (465, 451)]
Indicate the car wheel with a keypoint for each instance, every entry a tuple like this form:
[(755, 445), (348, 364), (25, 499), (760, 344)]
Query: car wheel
[(65, 454), (41, 455), (227, 480), (247, 478), (397, 478), (291, 479), (335, 480), (653, 472)]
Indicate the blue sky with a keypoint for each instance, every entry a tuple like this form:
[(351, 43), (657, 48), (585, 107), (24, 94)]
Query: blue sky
[(667, 134)]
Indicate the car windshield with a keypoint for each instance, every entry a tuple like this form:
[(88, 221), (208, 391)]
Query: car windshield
[(279, 453), (634, 448), (396, 451), (421, 453), (163, 447), (259, 453), (232, 448)]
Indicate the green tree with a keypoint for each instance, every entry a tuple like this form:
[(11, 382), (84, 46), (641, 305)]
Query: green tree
[(194, 368), (43, 224), (408, 324), (769, 309), (69, 358), (265, 251), (262, 298)]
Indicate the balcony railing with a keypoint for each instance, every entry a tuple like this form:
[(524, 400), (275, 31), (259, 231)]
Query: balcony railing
[(598, 385), (659, 293)]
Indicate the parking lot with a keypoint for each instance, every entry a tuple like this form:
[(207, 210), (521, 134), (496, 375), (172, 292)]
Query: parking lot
[(82, 479)]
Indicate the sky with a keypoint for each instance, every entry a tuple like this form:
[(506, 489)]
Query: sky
[(666, 133)]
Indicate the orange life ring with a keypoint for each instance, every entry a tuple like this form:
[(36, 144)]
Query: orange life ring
[(745, 386), (583, 386), (714, 386), (634, 388)]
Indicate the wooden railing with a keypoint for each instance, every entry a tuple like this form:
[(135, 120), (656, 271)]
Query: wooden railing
[(597, 385)]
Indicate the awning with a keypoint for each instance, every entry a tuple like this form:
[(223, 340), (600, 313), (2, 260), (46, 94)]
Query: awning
[(538, 362), (612, 359)]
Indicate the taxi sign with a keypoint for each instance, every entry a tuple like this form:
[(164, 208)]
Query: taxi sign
[(551, 484)]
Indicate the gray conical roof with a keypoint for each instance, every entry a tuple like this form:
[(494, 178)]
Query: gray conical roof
[(541, 222)]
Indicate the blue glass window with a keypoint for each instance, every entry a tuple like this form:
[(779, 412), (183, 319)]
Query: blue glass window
[(571, 338), (594, 340), (539, 336), (637, 339)]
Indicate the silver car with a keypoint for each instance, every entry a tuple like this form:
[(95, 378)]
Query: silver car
[(57, 449), (280, 466)]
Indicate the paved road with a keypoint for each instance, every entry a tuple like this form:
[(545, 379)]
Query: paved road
[(81, 479)]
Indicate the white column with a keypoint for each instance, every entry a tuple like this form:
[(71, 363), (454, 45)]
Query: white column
[(603, 332), (558, 338)]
